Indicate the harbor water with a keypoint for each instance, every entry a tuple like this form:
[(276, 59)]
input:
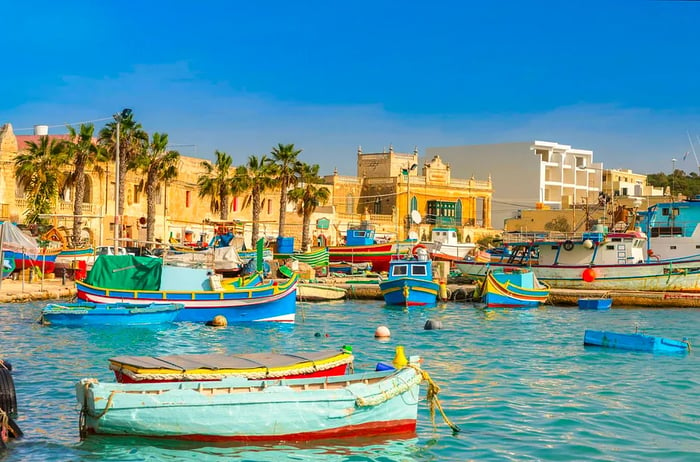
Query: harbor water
[(519, 383)]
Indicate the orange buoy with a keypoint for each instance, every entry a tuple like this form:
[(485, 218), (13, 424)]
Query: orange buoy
[(588, 275)]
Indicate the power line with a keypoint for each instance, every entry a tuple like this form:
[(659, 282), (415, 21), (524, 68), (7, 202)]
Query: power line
[(63, 125)]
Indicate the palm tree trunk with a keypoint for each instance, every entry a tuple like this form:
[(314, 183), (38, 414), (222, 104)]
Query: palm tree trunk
[(283, 207), (256, 216), (305, 231), (150, 210), (78, 202), (224, 207)]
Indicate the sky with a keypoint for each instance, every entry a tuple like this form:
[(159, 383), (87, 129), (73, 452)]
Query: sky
[(621, 78)]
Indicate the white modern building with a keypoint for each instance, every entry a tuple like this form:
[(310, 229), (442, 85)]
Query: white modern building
[(528, 175)]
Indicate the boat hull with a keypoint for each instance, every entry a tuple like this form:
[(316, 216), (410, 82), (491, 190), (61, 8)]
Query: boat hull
[(594, 303), (44, 262), (409, 292), (120, 314), (237, 409), (379, 255), (636, 342), (319, 292), (662, 276), (513, 288), (269, 302)]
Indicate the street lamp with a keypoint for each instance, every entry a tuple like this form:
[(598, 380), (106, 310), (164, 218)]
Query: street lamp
[(673, 178), (118, 118)]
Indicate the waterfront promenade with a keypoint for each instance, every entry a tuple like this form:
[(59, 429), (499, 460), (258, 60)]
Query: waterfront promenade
[(24, 291)]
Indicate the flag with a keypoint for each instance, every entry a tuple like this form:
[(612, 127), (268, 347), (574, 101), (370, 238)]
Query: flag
[(685, 155)]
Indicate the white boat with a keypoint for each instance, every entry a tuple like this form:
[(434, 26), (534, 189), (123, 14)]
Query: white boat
[(673, 229), (444, 241), (597, 260)]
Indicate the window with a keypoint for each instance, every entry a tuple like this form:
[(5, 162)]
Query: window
[(399, 270), (235, 204), (419, 270), (187, 198), (269, 206)]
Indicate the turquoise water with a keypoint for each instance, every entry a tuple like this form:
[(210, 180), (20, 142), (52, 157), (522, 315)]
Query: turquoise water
[(519, 383)]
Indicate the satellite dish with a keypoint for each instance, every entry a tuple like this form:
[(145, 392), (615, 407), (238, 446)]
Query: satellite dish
[(415, 216)]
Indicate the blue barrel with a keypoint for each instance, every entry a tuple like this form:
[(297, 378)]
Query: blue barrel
[(285, 245)]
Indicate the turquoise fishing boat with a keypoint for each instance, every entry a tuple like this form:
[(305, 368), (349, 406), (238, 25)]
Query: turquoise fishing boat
[(507, 287), (636, 341), (238, 409), (410, 281), (112, 314)]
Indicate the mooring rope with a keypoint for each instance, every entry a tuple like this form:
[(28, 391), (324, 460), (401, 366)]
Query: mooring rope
[(433, 401)]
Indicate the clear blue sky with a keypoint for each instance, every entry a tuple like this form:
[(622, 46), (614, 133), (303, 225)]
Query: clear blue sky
[(621, 78)]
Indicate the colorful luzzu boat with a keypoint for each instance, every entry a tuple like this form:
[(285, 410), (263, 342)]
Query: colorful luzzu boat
[(115, 314), (512, 288), (140, 280), (202, 367)]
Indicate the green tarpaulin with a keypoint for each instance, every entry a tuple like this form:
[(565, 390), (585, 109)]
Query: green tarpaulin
[(126, 272)]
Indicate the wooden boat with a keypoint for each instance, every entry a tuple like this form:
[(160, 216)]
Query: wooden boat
[(114, 314), (360, 247), (349, 268), (513, 287), (445, 245), (310, 292), (597, 261), (410, 282), (636, 341), (594, 303), (252, 366), (139, 280), (238, 409)]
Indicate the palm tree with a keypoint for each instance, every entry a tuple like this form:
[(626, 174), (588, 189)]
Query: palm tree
[(308, 196), (256, 177), (158, 164), (38, 171), (133, 140), (287, 169), (217, 182), (83, 152)]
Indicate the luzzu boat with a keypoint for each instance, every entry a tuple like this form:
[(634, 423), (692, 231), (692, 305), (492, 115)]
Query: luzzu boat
[(237, 409), (115, 314), (139, 280), (512, 288), (254, 366), (360, 248), (410, 281)]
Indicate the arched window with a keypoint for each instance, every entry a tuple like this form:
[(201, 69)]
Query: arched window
[(350, 204)]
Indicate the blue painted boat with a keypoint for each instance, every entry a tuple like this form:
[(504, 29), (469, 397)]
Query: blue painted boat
[(410, 282), (141, 280), (238, 409), (508, 287), (637, 342), (594, 303), (115, 314)]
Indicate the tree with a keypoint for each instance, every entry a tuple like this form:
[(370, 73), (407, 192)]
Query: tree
[(218, 183), (308, 196), (256, 176), (83, 151), (38, 171), (158, 164), (560, 224), (133, 140), (287, 170)]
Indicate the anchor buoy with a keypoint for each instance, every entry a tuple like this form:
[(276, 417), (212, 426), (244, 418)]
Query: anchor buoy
[(568, 245)]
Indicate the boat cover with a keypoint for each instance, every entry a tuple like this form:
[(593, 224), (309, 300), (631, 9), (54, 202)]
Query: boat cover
[(126, 272), (251, 365)]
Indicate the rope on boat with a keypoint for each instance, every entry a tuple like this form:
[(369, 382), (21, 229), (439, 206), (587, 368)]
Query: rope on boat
[(432, 398)]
